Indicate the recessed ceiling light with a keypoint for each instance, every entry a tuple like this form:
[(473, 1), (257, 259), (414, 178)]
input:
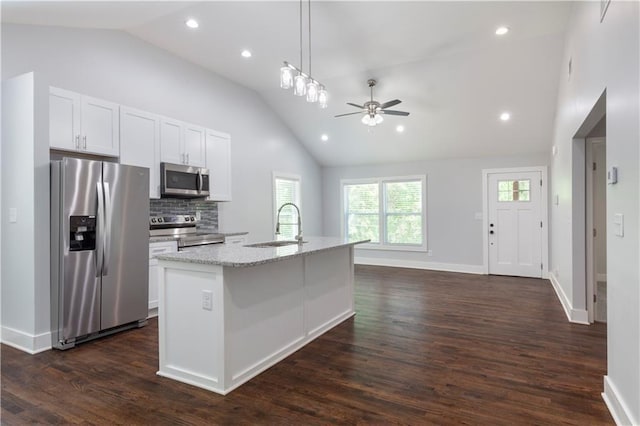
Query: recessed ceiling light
[(502, 30), (400, 128), (192, 23), (246, 53), (505, 116), (324, 138)]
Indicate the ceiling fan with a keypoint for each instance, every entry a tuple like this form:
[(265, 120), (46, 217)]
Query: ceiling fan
[(374, 110)]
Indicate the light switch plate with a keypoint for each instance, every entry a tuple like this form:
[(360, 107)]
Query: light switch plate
[(618, 224), (207, 300), (612, 175)]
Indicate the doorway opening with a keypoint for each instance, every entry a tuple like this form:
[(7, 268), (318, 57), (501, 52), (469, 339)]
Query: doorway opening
[(589, 217)]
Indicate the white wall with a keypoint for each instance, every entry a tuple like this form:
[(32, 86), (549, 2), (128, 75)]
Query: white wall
[(118, 67), (454, 196), (604, 56), (25, 254)]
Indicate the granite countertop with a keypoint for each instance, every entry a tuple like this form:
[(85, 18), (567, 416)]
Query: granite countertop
[(241, 256)]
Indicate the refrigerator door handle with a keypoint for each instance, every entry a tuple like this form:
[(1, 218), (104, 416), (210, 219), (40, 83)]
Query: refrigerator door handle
[(107, 228), (100, 230)]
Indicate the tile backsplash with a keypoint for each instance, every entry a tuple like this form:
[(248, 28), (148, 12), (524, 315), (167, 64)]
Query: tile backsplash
[(174, 206)]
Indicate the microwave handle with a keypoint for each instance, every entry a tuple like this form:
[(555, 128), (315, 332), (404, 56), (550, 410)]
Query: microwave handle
[(200, 184)]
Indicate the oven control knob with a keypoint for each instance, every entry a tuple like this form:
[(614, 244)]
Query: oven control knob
[(159, 220), (187, 219), (153, 220), (193, 219)]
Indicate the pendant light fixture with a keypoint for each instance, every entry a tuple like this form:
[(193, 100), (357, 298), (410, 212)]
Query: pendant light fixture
[(303, 83)]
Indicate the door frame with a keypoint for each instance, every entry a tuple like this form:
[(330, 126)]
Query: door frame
[(544, 214), (589, 244)]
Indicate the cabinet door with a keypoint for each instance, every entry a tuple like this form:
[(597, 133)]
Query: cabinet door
[(219, 165), (171, 136), (99, 127), (64, 119), (140, 144), (194, 145)]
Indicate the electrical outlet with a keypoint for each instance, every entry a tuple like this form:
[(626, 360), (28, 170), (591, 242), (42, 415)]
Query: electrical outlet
[(207, 300), (198, 215)]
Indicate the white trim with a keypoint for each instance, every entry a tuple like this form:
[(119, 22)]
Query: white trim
[(618, 409), (29, 343), (381, 211), (590, 266), (418, 264), (544, 214), (578, 316)]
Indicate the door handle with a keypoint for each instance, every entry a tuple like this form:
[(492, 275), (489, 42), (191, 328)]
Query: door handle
[(100, 230), (199, 182), (107, 229)]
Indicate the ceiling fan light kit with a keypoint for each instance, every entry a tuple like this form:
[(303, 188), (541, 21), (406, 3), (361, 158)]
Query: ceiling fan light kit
[(373, 110), (303, 84)]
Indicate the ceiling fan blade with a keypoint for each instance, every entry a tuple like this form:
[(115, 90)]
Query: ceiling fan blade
[(355, 105), (349, 113), (391, 112), (390, 103)]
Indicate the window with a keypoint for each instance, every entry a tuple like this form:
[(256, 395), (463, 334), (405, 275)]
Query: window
[(514, 190), (286, 189), (388, 211)]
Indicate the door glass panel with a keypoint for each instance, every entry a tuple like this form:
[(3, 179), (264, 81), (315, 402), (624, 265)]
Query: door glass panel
[(514, 190)]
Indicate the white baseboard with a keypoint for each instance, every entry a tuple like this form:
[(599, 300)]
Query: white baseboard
[(579, 316), (416, 264), (29, 343), (618, 409)]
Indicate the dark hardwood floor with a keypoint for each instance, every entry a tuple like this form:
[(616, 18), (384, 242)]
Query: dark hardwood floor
[(424, 348)]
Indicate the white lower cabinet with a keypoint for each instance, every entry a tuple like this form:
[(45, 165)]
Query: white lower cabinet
[(154, 271), (235, 240)]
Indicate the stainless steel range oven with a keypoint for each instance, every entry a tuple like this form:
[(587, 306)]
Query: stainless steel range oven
[(184, 229)]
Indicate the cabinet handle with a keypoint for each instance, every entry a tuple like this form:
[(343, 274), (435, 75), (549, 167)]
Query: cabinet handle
[(183, 159), (84, 141), (187, 158), (77, 141)]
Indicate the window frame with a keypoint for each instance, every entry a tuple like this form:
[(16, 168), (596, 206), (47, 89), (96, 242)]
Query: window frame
[(382, 213), (274, 201)]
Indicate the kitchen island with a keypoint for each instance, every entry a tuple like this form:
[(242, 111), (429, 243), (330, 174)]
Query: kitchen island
[(228, 313)]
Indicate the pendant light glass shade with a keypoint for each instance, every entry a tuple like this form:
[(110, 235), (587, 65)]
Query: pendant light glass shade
[(312, 91), (323, 97), (372, 120), (286, 77), (300, 85)]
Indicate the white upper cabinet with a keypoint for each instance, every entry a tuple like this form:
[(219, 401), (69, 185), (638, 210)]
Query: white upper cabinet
[(171, 136), (82, 123), (194, 145), (182, 143), (140, 144), (219, 165)]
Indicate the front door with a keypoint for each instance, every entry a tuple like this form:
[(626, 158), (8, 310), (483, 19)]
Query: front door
[(515, 224)]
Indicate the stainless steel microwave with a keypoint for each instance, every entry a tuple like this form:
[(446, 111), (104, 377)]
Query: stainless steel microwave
[(180, 181)]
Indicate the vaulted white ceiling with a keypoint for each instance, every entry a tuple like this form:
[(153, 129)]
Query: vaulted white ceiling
[(442, 59)]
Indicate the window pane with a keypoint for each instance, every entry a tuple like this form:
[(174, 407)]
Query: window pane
[(362, 198), (287, 191), (523, 184), (362, 211), (363, 227), (403, 197), (404, 229), (505, 196)]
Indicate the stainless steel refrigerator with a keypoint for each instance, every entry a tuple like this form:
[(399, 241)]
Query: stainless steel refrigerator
[(99, 249)]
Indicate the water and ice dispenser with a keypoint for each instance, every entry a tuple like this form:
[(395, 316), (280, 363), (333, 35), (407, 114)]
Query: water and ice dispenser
[(83, 233)]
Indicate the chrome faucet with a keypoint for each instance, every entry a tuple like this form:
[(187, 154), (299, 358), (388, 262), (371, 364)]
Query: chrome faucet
[(297, 237)]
